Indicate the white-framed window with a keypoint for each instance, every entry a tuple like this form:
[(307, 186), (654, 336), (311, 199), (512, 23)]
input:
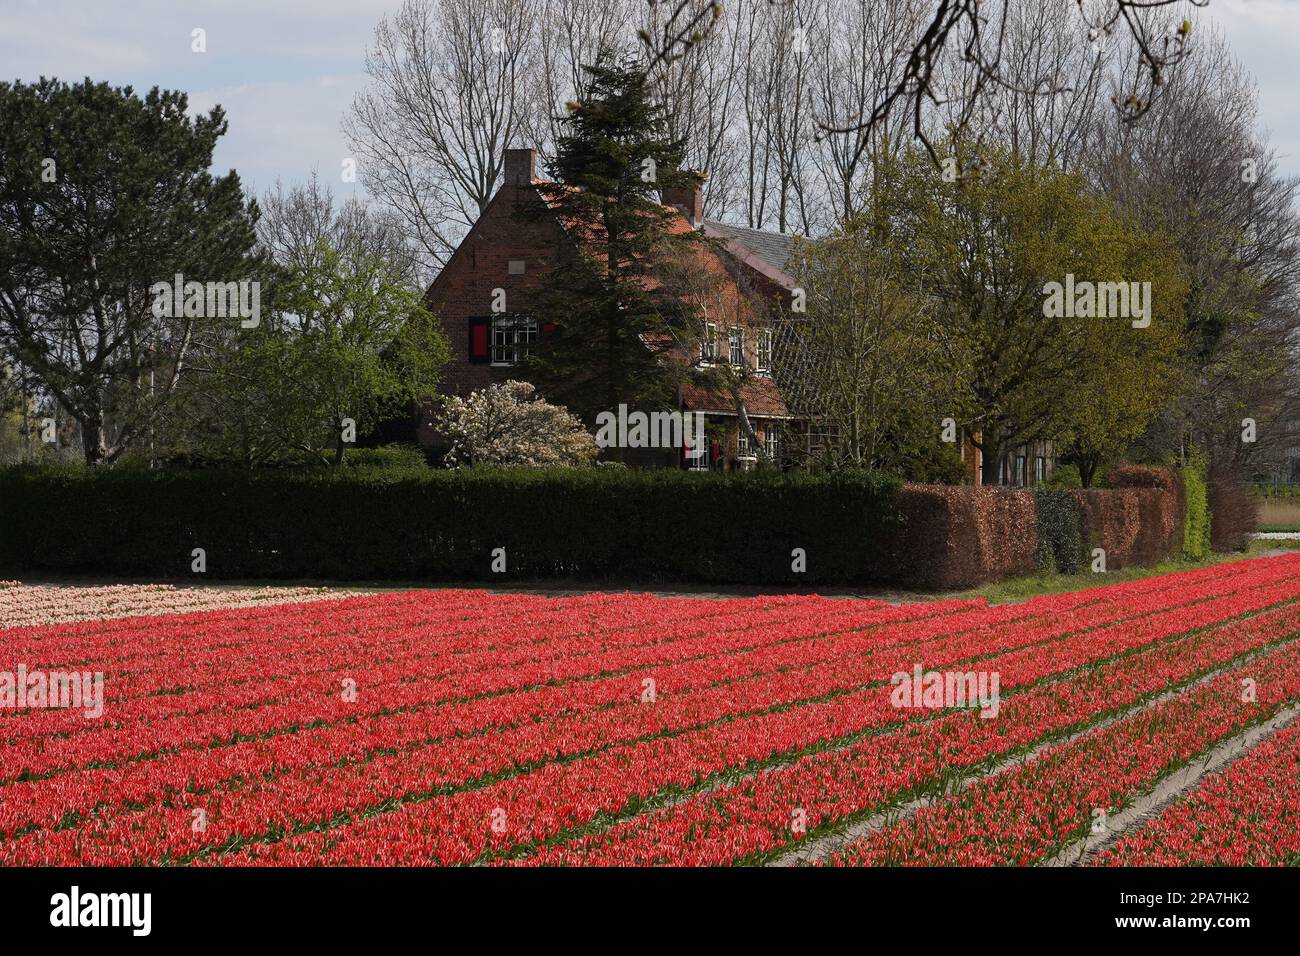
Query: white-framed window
[(709, 344), (700, 463), (742, 444), (1040, 469), (1020, 470), (772, 443), (512, 338), (764, 356), (736, 345)]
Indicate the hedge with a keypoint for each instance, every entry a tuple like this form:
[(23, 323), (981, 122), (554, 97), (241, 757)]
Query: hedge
[(420, 524), (426, 524), (1233, 516), (1196, 517), (961, 536), (1060, 538)]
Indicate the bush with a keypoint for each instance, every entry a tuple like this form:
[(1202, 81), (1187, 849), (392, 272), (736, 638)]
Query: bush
[(508, 424), (1196, 511), (1233, 514), (386, 456), (369, 524), (1064, 477), (1060, 539), (1165, 526), (956, 537)]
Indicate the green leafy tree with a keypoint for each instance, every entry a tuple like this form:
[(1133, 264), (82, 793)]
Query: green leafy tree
[(349, 344), (868, 361), (103, 194), (985, 249), (618, 324)]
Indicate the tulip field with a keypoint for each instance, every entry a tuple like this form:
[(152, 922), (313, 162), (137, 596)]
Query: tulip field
[(462, 727)]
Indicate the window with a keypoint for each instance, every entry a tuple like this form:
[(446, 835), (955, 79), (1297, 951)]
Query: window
[(701, 462), (742, 444), (1040, 469), (1019, 477), (765, 350), (709, 344), (771, 443), (512, 338), (736, 344)]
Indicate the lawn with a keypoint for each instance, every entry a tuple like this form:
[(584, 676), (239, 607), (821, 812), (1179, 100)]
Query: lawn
[(1148, 720)]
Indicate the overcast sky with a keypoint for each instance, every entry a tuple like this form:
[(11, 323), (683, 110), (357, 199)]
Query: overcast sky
[(286, 70)]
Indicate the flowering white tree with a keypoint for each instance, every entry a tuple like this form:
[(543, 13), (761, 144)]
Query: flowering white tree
[(507, 424)]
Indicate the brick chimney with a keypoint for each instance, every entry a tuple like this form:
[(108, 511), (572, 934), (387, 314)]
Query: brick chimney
[(521, 166), (688, 197)]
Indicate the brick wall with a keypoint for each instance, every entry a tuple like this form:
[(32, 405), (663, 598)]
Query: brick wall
[(513, 227)]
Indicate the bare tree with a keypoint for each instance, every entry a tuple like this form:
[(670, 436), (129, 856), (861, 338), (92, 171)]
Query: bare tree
[(452, 84), (973, 37), (1196, 170)]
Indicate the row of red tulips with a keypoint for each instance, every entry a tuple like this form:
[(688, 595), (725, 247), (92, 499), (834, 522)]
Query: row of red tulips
[(561, 796), (1028, 814), (541, 730), (1249, 815)]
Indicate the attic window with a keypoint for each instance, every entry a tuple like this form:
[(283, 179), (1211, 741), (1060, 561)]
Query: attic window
[(516, 267)]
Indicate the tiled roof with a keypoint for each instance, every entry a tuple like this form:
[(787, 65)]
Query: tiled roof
[(775, 248), (761, 396)]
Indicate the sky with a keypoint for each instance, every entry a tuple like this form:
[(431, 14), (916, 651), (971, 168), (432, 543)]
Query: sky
[(286, 70)]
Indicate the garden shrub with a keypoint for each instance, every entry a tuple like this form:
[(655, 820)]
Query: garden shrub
[(1060, 539), (1064, 476), (386, 456), (1196, 513)]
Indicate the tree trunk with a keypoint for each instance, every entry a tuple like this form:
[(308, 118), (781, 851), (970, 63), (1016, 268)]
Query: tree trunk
[(991, 465), (92, 438)]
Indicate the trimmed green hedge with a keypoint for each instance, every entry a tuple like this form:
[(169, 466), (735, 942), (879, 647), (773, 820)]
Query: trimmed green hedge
[(423, 524), (1060, 538), (1196, 516)]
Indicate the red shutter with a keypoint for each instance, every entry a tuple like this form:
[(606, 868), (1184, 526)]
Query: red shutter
[(480, 327)]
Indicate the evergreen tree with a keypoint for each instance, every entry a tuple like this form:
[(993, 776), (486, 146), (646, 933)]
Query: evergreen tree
[(104, 193), (616, 319)]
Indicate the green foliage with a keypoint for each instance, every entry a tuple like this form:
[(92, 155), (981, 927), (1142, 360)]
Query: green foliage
[(1060, 536), (1196, 514), (1064, 477), (876, 364), (104, 193), (347, 340), (432, 524), (387, 457), (933, 462), (984, 250), (616, 316)]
